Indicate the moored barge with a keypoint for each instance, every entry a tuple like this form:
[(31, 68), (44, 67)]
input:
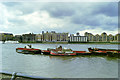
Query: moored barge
[(61, 51), (28, 50), (66, 52), (108, 52)]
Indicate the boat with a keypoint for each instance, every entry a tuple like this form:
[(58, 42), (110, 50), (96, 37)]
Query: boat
[(59, 51), (28, 50), (62, 53), (82, 53), (11, 42), (104, 50), (45, 52), (109, 52)]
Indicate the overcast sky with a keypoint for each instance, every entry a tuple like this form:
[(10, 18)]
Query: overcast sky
[(72, 17)]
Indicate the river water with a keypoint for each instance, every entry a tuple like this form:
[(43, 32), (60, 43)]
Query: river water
[(59, 66)]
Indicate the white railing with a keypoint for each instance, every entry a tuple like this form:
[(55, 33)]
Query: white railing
[(15, 74)]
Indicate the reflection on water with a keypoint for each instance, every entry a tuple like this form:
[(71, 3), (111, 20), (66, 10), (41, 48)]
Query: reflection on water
[(60, 66), (64, 58), (71, 58)]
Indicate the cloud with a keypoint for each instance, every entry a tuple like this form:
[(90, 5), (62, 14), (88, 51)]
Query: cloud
[(11, 4), (17, 21), (89, 20), (59, 10), (69, 17), (42, 19), (89, 17), (108, 9)]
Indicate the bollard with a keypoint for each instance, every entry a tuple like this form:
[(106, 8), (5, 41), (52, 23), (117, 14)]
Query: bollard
[(13, 76)]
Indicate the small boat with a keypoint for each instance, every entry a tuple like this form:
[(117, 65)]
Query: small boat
[(59, 51), (109, 52), (104, 50), (28, 50), (11, 42), (62, 51)]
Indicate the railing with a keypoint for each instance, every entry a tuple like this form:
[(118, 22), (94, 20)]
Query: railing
[(15, 74)]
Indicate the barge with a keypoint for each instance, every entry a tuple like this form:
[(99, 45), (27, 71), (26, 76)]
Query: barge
[(65, 52), (28, 50), (108, 52), (82, 53), (45, 52)]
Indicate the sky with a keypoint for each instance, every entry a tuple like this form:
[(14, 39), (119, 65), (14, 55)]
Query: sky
[(71, 17)]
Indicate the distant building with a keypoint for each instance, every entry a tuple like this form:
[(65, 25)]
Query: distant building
[(90, 36), (39, 38), (117, 37), (6, 36), (60, 37), (54, 37), (29, 37), (78, 38), (98, 38), (111, 37), (104, 37), (18, 38), (0, 36)]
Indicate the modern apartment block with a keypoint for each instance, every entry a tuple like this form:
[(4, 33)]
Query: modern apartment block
[(117, 37), (78, 38), (102, 38)]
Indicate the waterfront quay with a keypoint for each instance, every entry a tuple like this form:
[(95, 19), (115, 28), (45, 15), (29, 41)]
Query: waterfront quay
[(65, 37)]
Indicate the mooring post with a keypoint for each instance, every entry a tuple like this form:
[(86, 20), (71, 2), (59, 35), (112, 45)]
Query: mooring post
[(13, 76)]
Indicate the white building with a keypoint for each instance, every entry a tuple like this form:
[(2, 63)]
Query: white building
[(78, 38)]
